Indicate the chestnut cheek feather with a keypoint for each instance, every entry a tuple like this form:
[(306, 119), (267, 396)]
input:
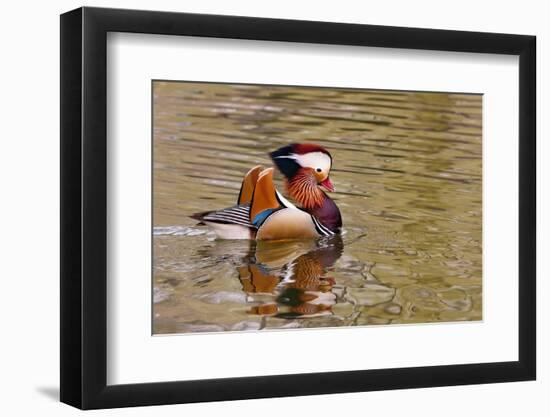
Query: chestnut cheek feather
[(303, 188)]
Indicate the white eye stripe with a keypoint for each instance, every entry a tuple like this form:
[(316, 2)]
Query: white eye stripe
[(314, 160)]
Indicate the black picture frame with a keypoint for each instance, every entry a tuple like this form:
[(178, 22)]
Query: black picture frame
[(84, 207)]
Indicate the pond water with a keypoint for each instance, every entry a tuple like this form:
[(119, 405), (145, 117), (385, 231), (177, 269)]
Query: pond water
[(407, 169)]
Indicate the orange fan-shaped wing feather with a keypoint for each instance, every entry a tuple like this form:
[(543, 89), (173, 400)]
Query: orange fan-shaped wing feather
[(264, 196)]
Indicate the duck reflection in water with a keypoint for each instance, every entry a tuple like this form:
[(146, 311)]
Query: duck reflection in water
[(290, 279)]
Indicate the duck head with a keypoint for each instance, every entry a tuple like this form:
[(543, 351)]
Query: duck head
[(305, 166)]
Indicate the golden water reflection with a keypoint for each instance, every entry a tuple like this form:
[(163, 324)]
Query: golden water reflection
[(408, 177), (291, 279)]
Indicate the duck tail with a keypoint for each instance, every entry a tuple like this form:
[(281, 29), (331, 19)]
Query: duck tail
[(200, 216)]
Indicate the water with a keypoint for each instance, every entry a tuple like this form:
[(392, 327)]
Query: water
[(408, 175)]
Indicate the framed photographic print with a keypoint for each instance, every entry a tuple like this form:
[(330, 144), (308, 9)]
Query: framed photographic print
[(258, 207)]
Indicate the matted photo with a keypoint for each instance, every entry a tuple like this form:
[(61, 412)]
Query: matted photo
[(240, 184), (293, 207)]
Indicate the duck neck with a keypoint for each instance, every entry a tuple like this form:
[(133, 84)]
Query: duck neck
[(303, 188)]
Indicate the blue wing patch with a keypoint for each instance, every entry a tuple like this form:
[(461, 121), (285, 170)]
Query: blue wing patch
[(261, 216)]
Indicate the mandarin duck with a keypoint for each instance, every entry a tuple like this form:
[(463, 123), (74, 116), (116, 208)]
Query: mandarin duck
[(262, 213)]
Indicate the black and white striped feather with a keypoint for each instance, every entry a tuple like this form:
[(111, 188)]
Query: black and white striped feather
[(239, 214), (321, 229)]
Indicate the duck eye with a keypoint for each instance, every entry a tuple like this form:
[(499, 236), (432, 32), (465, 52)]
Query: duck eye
[(318, 170)]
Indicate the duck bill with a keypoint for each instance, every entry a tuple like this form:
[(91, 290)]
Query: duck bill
[(327, 184)]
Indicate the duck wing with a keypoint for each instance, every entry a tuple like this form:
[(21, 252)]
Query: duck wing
[(248, 185), (238, 214), (255, 206), (264, 199)]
